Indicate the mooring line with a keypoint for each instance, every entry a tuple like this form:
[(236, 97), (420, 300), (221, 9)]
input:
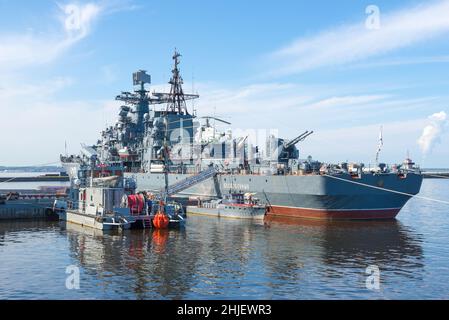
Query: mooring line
[(389, 190)]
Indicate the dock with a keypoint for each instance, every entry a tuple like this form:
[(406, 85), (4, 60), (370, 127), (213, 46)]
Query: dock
[(15, 206), (41, 178), (436, 174)]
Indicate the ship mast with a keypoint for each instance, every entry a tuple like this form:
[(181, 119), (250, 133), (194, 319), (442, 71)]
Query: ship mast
[(177, 102), (176, 99), (166, 158)]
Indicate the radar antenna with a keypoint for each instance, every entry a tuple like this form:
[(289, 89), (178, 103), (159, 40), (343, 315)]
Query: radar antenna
[(214, 118), (140, 78)]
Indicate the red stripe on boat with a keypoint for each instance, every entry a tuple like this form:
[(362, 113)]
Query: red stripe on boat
[(367, 214)]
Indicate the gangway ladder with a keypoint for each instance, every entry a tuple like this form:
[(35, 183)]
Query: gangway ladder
[(146, 223), (191, 181)]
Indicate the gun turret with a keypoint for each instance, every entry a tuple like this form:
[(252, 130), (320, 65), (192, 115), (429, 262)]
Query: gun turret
[(299, 138), (288, 150)]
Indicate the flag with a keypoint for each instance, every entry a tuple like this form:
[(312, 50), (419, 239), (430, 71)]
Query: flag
[(380, 145)]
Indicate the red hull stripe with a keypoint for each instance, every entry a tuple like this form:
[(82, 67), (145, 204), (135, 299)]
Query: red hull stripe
[(333, 214)]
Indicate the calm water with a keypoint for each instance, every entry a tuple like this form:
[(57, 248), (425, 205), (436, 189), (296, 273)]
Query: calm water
[(227, 259)]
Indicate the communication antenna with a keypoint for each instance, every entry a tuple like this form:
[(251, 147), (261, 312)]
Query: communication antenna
[(193, 90)]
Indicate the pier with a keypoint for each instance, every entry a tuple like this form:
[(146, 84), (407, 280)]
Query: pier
[(42, 178), (440, 174), (15, 205)]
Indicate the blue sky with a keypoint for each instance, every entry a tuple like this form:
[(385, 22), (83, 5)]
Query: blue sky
[(286, 65)]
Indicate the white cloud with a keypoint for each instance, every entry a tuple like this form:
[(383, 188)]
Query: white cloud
[(346, 125), (344, 101), (403, 61), (36, 132), (299, 105), (251, 99), (13, 93), (35, 122), (359, 142), (20, 50), (432, 132), (355, 42)]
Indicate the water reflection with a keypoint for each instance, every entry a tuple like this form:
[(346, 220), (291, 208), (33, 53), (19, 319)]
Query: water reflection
[(222, 258), (337, 248), (9, 228), (150, 263)]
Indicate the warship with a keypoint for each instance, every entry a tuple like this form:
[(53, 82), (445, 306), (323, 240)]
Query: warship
[(206, 163)]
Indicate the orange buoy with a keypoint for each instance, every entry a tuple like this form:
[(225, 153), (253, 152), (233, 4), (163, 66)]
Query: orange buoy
[(161, 221)]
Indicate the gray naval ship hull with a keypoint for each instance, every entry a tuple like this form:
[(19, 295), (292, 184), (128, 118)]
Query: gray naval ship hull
[(373, 196)]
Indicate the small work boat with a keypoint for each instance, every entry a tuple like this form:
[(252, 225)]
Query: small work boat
[(101, 198), (173, 212), (234, 205), (104, 209)]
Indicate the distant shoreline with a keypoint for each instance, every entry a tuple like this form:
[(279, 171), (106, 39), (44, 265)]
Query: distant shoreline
[(49, 169)]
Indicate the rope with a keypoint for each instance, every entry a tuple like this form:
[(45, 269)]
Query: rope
[(288, 189), (388, 190)]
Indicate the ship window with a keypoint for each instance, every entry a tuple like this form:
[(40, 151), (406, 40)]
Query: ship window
[(266, 180)]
